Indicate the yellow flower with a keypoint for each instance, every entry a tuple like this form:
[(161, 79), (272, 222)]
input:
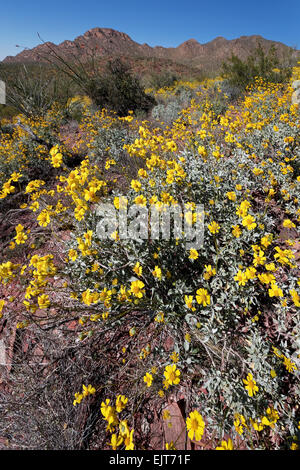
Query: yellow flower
[(115, 236), (271, 417), (121, 402), (275, 291), (239, 422), (136, 185), (189, 302), (88, 390), (257, 424), (250, 385), (266, 278), (109, 413), (140, 200), (249, 222), (270, 267), (128, 441), (138, 269), (266, 240), (2, 303), (202, 151), (236, 231), (295, 297), (241, 278), (174, 357), (21, 237), (142, 173), (193, 254), (72, 254), (231, 195), (116, 441), (170, 446), (195, 425), (43, 301), (209, 272), (242, 209), (171, 146), (283, 256), (288, 223), (259, 258), (250, 273), (123, 427), (187, 337), (137, 289), (148, 379), (226, 445), (214, 227), (78, 398), (202, 297), (289, 365), (157, 272), (172, 374), (43, 218), (56, 160)]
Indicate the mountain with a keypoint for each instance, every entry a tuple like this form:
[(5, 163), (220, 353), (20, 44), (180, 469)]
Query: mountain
[(106, 42)]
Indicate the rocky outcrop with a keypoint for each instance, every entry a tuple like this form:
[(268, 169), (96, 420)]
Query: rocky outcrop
[(107, 42)]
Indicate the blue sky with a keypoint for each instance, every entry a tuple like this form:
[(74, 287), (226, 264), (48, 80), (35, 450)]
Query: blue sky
[(159, 22)]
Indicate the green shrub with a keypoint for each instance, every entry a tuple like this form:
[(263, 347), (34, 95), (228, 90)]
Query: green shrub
[(268, 66), (7, 112), (162, 80), (117, 89)]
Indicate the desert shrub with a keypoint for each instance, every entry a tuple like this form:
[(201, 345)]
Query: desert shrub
[(218, 98), (167, 112), (32, 90), (108, 147), (171, 100), (266, 65), (7, 112), (184, 95), (25, 144), (233, 92), (119, 90), (217, 302), (139, 319), (162, 80)]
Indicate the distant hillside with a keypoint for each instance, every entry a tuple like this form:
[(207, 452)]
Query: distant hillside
[(105, 42)]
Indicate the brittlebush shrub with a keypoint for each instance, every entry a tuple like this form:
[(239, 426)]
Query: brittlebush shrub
[(217, 324)]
